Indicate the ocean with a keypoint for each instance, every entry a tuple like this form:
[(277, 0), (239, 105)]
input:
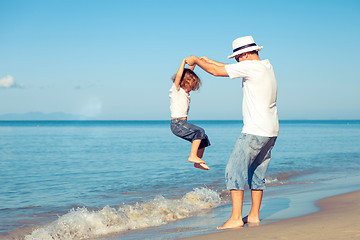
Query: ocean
[(114, 180)]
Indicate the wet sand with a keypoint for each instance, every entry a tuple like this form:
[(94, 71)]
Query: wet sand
[(338, 219)]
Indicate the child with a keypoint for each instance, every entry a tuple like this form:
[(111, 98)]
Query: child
[(185, 81)]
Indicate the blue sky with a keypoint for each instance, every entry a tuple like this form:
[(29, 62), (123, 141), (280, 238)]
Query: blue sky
[(113, 60)]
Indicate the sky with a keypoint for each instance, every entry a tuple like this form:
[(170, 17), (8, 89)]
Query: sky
[(113, 60)]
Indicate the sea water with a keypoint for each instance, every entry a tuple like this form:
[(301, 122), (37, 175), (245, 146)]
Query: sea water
[(131, 179)]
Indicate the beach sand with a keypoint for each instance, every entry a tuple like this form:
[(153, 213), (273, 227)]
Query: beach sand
[(338, 219)]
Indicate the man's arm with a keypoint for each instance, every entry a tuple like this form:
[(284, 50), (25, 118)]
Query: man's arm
[(206, 59), (212, 68)]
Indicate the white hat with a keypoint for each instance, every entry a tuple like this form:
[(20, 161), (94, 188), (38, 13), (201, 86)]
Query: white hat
[(244, 44)]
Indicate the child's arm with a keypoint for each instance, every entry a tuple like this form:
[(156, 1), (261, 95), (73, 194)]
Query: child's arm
[(191, 67), (179, 74)]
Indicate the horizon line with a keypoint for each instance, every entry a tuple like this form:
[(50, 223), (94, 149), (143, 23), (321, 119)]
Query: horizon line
[(134, 120)]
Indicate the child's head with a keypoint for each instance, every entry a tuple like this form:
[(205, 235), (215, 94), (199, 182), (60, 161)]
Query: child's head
[(189, 80)]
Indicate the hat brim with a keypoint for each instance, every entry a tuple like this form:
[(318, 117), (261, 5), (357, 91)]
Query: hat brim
[(254, 48)]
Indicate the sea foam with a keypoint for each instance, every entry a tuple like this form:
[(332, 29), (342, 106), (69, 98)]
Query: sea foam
[(82, 223)]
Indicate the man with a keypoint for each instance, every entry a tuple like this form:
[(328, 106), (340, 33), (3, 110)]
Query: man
[(251, 155)]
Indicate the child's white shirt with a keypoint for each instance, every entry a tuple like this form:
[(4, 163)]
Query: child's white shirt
[(179, 102)]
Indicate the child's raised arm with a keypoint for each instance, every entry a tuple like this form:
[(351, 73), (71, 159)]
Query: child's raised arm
[(191, 67), (179, 74)]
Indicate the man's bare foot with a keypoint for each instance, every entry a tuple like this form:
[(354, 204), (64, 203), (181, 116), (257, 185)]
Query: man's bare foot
[(251, 221), (202, 166), (195, 159), (231, 224)]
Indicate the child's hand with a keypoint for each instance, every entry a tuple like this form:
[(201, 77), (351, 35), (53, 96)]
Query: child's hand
[(190, 60), (193, 65)]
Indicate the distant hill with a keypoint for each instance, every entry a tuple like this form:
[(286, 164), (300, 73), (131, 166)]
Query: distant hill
[(43, 116)]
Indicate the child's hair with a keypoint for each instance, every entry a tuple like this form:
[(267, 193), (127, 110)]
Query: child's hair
[(189, 79)]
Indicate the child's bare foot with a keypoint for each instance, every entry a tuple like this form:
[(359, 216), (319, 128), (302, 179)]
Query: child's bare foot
[(251, 221), (195, 159), (231, 223), (202, 166)]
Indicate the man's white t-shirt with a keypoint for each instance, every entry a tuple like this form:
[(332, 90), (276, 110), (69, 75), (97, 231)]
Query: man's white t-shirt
[(259, 96), (179, 102)]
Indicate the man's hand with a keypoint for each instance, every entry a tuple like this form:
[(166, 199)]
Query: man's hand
[(191, 60)]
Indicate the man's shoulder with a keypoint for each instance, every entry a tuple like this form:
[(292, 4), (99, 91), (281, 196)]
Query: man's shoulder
[(257, 64), (248, 64)]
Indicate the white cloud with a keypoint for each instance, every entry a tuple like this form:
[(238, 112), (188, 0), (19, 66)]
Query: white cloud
[(9, 82)]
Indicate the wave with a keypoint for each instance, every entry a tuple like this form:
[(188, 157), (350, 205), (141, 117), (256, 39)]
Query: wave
[(284, 177), (81, 223)]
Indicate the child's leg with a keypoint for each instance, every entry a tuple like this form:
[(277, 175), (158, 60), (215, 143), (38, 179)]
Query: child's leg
[(194, 134), (200, 152), (194, 152), (202, 166)]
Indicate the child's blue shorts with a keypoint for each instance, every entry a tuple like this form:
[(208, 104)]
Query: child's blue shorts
[(189, 132), (248, 162)]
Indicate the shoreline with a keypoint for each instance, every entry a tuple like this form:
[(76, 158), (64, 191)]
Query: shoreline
[(336, 219), (281, 220)]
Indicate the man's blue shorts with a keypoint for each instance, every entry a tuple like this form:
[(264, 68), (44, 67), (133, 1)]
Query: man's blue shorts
[(248, 162)]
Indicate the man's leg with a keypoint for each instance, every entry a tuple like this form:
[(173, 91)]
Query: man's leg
[(235, 221), (236, 175), (253, 217), (257, 181)]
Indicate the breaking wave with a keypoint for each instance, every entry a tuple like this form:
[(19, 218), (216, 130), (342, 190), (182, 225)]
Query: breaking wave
[(82, 223)]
